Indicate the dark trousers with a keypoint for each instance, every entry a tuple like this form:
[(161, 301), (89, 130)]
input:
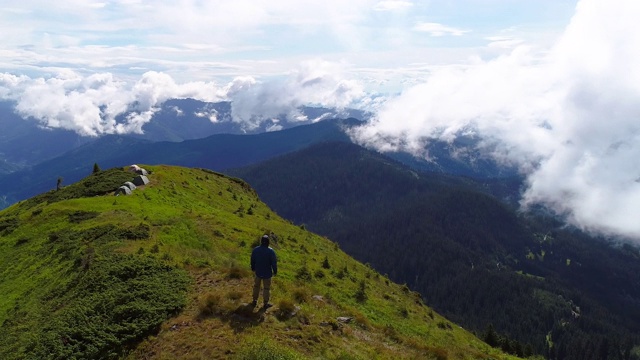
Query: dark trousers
[(266, 291)]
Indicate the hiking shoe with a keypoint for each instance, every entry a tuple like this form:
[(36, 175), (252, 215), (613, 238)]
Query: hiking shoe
[(266, 306)]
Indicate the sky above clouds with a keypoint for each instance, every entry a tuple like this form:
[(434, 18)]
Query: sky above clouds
[(377, 41), (551, 86)]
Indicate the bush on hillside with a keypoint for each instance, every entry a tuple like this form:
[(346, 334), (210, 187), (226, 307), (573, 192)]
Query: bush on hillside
[(266, 350), (112, 305), (208, 305), (286, 309)]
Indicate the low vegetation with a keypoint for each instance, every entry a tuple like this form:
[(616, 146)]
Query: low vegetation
[(163, 274)]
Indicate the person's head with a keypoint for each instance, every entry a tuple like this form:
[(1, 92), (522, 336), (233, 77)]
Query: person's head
[(265, 240)]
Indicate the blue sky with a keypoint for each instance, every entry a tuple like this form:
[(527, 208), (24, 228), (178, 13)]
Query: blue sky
[(218, 40), (550, 86)]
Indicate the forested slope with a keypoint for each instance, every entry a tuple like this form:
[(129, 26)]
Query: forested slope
[(472, 256)]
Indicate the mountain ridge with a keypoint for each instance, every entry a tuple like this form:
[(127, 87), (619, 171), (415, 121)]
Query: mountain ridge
[(221, 152), (26, 142), (163, 273), (217, 152)]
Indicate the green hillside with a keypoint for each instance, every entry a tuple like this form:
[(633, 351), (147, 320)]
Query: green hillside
[(163, 274)]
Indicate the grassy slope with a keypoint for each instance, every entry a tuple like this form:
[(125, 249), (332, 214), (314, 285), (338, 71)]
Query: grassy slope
[(162, 274)]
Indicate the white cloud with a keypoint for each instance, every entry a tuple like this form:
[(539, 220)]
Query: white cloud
[(316, 82), (93, 104), (210, 114), (90, 105), (436, 29), (392, 5), (504, 42), (569, 116)]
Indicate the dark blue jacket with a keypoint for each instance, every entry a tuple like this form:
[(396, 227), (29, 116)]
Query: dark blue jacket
[(264, 262)]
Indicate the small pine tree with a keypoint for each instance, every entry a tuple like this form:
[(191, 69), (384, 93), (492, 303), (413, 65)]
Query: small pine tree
[(59, 184), (361, 294), (325, 263), (490, 336), (96, 168)]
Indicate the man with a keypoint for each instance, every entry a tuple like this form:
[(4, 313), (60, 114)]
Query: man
[(265, 265)]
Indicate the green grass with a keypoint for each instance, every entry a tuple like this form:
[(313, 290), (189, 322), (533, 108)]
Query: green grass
[(163, 274)]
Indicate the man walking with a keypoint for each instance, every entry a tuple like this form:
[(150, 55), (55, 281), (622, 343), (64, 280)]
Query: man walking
[(265, 265)]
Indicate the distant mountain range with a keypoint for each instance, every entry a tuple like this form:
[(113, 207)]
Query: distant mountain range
[(24, 142), (218, 152)]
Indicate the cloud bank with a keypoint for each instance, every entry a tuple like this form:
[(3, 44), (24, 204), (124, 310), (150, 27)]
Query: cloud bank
[(569, 117), (92, 105), (316, 82), (102, 104)]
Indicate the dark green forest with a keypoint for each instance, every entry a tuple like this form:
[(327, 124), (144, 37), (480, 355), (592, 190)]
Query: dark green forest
[(525, 282)]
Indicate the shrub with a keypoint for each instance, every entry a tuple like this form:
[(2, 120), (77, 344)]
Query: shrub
[(362, 320), (208, 305), (438, 353), (301, 295), (234, 295), (237, 272), (325, 263), (167, 257), (361, 294), (202, 263), (265, 350), (286, 308), (303, 274), (404, 312), (118, 301), (139, 232), (8, 225), (319, 274)]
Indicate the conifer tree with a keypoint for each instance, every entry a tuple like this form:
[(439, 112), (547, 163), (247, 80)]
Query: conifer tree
[(490, 336), (325, 263)]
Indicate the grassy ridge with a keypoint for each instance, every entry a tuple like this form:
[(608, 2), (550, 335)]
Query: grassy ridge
[(163, 273)]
